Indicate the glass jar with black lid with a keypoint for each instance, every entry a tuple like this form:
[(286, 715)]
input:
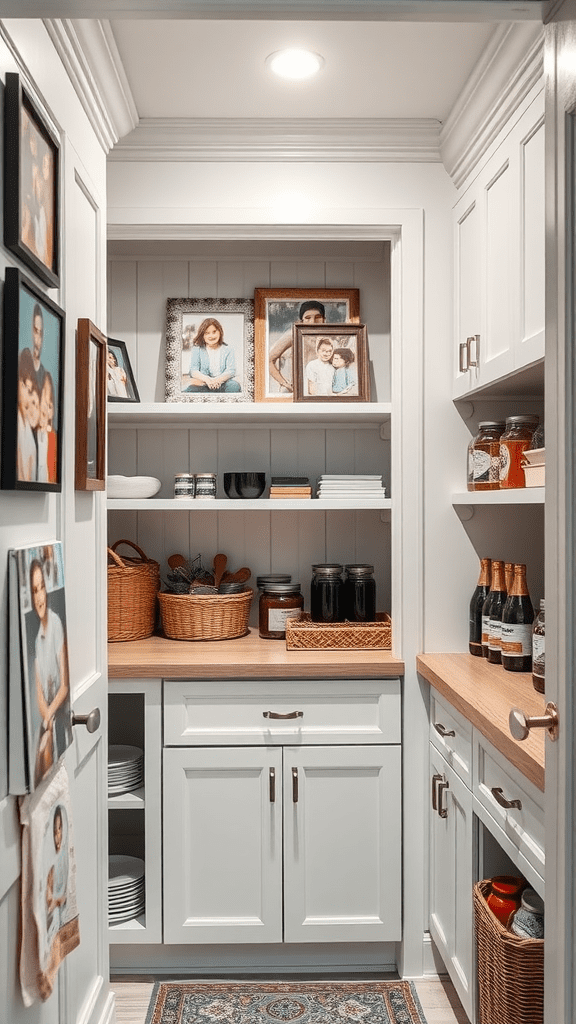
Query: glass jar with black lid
[(360, 593), (326, 593)]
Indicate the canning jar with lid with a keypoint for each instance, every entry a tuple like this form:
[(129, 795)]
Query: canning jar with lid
[(184, 485), (205, 485), (514, 441), (326, 593), (278, 602), (485, 456), (360, 593)]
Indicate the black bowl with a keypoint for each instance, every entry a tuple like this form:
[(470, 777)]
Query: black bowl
[(244, 485)]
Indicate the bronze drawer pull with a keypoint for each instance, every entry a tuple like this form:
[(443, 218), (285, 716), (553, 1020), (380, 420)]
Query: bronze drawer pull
[(435, 780), (499, 797), (442, 730), (294, 785), (442, 811), (272, 777), (277, 714)]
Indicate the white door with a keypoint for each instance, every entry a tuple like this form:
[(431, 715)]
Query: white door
[(342, 843), (468, 270), (223, 844), (560, 522)]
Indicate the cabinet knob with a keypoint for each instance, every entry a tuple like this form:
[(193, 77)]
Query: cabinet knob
[(520, 723), (91, 721)]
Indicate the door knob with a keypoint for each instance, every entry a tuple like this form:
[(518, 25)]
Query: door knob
[(91, 721), (520, 723)]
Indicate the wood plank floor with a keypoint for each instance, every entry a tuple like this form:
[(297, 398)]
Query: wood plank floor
[(437, 996)]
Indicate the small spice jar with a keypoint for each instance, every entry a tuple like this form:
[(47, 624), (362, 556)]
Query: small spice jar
[(516, 438), (278, 602), (205, 485), (485, 456), (528, 921), (184, 485), (504, 896), (326, 593), (360, 593)]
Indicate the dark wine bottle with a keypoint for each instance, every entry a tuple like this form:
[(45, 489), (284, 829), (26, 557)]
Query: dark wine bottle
[(476, 604), (492, 614), (517, 619)]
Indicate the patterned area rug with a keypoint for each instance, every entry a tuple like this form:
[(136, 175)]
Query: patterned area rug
[(379, 1002)]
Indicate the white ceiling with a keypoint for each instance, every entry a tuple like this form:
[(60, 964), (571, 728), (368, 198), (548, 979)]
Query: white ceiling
[(373, 69)]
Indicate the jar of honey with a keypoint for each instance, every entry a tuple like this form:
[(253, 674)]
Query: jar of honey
[(485, 456), (514, 441), (504, 896), (278, 602)]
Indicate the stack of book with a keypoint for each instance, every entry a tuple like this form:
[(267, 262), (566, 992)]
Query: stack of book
[(290, 487), (350, 486)]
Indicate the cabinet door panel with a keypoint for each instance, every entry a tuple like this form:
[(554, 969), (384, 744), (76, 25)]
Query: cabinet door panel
[(501, 295), (342, 874), (531, 341), (451, 877), (222, 846), (468, 284)]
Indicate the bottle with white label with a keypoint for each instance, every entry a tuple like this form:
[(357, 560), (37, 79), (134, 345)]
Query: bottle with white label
[(539, 650), (516, 630), (492, 614)]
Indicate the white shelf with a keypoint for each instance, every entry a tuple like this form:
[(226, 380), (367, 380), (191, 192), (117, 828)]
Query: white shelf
[(128, 801), (511, 496), (248, 505), (234, 414)]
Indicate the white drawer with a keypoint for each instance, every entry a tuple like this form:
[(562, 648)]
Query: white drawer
[(255, 712), (451, 734), (497, 781)]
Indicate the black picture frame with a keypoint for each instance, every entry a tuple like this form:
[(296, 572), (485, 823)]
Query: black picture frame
[(31, 184), (121, 376), (32, 365)]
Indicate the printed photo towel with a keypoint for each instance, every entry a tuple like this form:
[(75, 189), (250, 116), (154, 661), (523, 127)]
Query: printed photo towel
[(50, 928)]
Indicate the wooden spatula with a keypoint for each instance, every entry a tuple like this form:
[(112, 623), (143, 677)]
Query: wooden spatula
[(175, 561), (219, 566)]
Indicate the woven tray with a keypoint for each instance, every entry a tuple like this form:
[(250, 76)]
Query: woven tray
[(303, 634), (205, 616), (510, 969)]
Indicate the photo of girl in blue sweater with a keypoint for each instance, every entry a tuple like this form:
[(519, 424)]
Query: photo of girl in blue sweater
[(212, 362)]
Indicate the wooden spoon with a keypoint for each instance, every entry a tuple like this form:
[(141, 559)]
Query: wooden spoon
[(240, 576), (175, 561), (219, 565)]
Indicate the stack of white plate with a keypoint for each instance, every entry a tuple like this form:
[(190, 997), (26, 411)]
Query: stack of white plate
[(126, 895), (352, 485), (125, 768)]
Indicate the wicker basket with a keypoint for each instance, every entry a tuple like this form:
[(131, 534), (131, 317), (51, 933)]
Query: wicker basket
[(133, 584), (205, 616), (303, 634), (510, 969)]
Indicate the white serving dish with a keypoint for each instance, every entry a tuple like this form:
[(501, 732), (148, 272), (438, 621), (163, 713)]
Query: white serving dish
[(534, 475), (535, 456), (132, 486)]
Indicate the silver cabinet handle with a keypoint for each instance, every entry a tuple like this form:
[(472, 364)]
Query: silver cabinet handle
[(272, 777), (294, 785), (473, 339), (462, 350), (91, 721), (499, 797), (435, 780), (520, 724), (277, 714), (442, 785), (443, 730)]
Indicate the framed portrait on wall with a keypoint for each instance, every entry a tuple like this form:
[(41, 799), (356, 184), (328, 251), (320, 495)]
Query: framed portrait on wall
[(275, 311), (32, 184), (331, 363), (90, 407), (32, 387), (120, 382), (209, 350)]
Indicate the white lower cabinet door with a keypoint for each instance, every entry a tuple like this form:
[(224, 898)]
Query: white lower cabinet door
[(342, 844), (222, 845), (451, 871)]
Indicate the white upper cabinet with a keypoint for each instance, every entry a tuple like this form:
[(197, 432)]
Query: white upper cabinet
[(499, 260)]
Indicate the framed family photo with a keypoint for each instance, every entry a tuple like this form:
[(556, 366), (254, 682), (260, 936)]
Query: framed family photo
[(331, 363), (209, 350), (32, 184), (120, 382), (275, 312), (91, 351), (32, 387)]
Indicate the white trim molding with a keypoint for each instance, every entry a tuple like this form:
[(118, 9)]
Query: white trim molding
[(287, 139), (511, 64), (88, 51)]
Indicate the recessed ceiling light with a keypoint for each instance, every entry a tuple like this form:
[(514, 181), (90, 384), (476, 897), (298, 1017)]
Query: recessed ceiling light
[(294, 63)]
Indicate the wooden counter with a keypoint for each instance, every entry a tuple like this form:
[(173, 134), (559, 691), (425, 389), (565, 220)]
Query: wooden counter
[(485, 695), (249, 657)]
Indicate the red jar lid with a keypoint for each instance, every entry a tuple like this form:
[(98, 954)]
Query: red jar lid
[(507, 885)]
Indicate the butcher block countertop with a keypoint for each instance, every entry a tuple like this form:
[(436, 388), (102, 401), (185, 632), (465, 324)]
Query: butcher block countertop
[(249, 657), (485, 695)]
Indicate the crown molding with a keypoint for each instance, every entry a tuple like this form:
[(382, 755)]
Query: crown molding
[(286, 139), (88, 52), (510, 66)]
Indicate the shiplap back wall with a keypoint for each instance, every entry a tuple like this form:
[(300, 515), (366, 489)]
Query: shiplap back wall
[(140, 281)]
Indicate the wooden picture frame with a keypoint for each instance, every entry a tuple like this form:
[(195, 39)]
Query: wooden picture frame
[(32, 387), (31, 184), (120, 382), (188, 322), (91, 352), (331, 363), (275, 311)]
